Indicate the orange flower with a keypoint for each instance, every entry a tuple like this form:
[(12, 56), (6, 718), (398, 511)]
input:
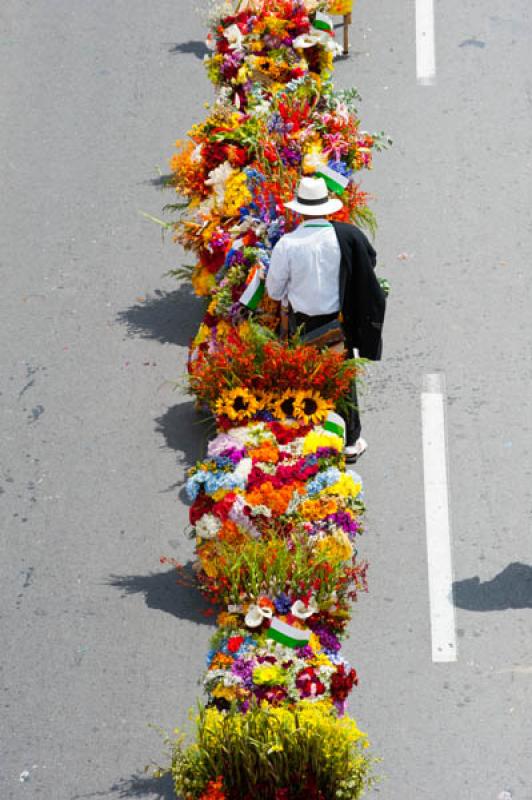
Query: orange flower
[(318, 509), (230, 533), (267, 495), (220, 661), (266, 452)]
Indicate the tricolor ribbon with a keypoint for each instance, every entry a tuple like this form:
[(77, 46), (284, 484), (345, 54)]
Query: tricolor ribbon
[(288, 635), (254, 291), (336, 182), (322, 22), (335, 424)]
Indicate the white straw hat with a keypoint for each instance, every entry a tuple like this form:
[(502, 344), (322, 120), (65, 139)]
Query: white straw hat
[(313, 200)]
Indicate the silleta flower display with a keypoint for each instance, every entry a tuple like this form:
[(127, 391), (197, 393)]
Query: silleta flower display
[(276, 517)]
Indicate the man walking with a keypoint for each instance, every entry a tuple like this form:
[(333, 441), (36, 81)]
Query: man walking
[(322, 270)]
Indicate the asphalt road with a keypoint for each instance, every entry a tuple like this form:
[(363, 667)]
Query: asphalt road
[(96, 640)]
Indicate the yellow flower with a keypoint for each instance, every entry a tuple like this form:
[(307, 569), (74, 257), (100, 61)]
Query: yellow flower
[(314, 441), (269, 675), (225, 692), (202, 335), (346, 486), (321, 660), (236, 404), (236, 193), (242, 74), (203, 282), (310, 407), (285, 405), (336, 548), (227, 620)]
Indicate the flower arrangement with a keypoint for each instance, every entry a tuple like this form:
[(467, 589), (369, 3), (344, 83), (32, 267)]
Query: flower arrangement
[(235, 381), (271, 753), (275, 516), (276, 116)]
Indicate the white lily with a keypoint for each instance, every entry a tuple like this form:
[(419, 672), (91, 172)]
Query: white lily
[(302, 611), (256, 616), (234, 36)]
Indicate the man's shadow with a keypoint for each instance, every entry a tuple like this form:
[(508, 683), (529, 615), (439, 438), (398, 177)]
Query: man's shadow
[(192, 47), (167, 317), (511, 588), (136, 786), (145, 786), (172, 592), (187, 431)]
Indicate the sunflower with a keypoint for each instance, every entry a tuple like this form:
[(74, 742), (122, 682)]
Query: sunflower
[(284, 406), (310, 407), (237, 404)]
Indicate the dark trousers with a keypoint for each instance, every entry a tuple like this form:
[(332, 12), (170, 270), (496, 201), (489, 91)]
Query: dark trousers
[(353, 427)]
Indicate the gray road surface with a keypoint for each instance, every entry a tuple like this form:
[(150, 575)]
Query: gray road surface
[(96, 640)]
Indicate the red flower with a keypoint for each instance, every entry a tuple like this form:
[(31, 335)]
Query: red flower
[(342, 682), (308, 683), (234, 643), (202, 505), (222, 508)]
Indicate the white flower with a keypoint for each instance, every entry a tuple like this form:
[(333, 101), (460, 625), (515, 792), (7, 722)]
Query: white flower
[(245, 465), (256, 615), (196, 154), (208, 526), (302, 611), (234, 36), (218, 178)]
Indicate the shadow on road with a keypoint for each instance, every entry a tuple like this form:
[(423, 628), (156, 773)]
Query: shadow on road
[(170, 592), (136, 786), (185, 431), (192, 47), (511, 588), (145, 786), (171, 317)]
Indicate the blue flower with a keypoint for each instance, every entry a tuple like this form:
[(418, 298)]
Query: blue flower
[(282, 603), (322, 480), (341, 167)]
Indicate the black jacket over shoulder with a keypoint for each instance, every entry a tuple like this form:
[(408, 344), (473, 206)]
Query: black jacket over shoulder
[(362, 300)]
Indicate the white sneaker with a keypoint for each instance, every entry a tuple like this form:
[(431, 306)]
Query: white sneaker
[(353, 451)]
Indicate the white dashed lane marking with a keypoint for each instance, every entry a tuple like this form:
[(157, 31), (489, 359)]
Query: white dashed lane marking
[(437, 521), (425, 43)]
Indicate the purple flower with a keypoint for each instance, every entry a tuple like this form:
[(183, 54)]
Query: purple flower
[(244, 670), (305, 652), (234, 454), (326, 452), (328, 640), (345, 521), (290, 156)]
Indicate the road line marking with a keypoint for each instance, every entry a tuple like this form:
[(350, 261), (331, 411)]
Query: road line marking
[(425, 43), (438, 530)]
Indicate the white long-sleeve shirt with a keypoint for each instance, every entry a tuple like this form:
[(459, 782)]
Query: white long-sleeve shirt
[(305, 269)]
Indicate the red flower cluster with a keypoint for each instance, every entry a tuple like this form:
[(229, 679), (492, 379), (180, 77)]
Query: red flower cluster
[(248, 361)]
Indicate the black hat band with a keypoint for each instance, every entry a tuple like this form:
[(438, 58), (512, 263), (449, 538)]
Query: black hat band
[(318, 202)]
